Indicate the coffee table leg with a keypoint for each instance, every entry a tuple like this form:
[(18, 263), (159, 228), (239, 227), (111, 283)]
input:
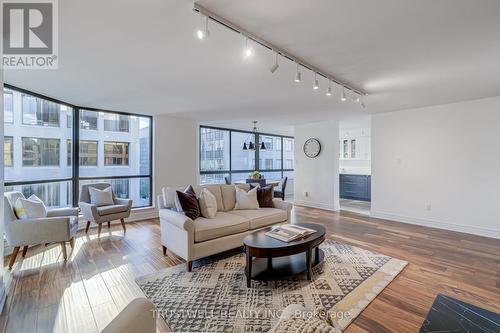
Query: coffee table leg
[(316, 254), (249, 269), (270, 263), (308, 262)]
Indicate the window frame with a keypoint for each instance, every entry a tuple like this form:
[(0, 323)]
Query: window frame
[(256, 139), (75, 179)]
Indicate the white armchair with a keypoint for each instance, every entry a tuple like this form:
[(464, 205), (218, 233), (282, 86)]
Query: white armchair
[(59, 226)]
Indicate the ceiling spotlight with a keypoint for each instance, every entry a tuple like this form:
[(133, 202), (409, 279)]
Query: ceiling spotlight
[(357, 99), (248, 49), (329, 90), (316, 82), (203, 33), (343, 98), (298, 75), (275, 67)]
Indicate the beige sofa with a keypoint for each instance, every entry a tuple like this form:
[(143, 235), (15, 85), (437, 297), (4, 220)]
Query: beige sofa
[(203, 237)]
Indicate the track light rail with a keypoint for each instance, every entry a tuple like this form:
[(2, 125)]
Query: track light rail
[(222, 21)]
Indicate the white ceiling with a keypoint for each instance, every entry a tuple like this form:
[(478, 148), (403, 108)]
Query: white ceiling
[(142, 56)]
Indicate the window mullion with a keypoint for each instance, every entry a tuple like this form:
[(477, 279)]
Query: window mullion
[(76, 155)]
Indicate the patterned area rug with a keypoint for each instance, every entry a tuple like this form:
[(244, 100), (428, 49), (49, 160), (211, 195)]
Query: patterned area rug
[(214, 296)]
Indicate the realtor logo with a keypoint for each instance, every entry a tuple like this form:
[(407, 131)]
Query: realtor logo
[(29, 34)]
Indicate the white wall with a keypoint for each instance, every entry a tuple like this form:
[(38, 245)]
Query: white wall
[(3, 293), (439, 166), (317, 176), (176, 152)]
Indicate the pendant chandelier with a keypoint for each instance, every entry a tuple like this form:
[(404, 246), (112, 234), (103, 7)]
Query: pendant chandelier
[(251, 145)]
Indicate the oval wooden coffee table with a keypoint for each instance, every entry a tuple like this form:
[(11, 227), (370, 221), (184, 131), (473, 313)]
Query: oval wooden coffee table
[(289, 258)]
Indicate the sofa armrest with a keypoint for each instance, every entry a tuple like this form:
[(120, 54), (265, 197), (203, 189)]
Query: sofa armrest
[(89, 211), (40, 230), (176, 219), (286, 206), (62, 212), (137, 316)]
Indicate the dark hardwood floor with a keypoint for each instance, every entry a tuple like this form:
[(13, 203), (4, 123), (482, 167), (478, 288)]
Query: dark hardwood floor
[(86, 292)]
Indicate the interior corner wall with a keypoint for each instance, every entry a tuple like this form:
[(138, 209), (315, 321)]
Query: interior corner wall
[(175, 152), (439, 166), (319, 176)]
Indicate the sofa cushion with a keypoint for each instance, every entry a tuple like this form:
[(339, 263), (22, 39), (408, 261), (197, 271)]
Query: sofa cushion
[(229, 195), (215, 190), (261, 217), (223, 224), (111, 209)]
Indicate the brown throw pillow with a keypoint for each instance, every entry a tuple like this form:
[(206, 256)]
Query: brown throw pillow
[(264, 196), (189, 203)]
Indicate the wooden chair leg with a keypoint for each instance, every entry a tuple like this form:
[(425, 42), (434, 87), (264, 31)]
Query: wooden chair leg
[(189, 266), (72, 243), (123, 225), (109, 224), (25, 249), (63, 248), (13, 256), (88, 226), (164, 250), (99, 228)]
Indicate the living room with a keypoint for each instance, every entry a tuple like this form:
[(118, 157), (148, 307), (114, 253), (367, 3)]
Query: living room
[(264, 166)]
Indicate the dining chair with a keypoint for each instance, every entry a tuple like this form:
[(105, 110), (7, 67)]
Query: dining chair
[(228, 180), (279, 191)]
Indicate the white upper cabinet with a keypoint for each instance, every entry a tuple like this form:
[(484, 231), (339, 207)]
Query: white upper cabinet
[(355, 144)]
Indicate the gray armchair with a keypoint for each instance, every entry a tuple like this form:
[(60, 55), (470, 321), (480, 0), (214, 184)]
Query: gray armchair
[(99, 214), (59, 226)]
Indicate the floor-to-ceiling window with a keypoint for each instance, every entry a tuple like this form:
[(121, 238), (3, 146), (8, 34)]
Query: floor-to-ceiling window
[(42, 141), (222, 155)]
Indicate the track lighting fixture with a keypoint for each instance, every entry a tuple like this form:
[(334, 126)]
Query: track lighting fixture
[(203, 33), (343, 98), (275, 67), (329, 90), (316, 82), (298, 75), (248, 49)]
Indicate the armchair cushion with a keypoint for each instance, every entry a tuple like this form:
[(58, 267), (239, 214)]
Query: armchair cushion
[(32, 207), (101, 197), (62, 212), (111, 209)]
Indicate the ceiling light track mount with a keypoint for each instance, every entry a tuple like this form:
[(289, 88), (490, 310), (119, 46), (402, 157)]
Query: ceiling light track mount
[(222, 21)]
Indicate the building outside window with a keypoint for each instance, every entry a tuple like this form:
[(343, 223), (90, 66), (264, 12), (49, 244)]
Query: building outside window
[(8, 106), (88, 153), (8, 151), (39, 112), (40, 152), (116, 122), (45, 166), (116, 153), (88, 120)]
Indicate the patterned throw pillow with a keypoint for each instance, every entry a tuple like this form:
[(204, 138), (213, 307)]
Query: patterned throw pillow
[(264, 196), (30, 208), (189, 203)]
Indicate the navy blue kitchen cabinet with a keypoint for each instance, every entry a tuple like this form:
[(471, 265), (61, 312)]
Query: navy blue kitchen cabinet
[(355, 187)]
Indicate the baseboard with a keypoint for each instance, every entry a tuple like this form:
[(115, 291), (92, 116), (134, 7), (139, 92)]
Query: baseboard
[(316, 205), (479, 231)]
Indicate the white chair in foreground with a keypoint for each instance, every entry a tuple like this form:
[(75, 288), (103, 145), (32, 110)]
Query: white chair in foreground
[(59, 226)]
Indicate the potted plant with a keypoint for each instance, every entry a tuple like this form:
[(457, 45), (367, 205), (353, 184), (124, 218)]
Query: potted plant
[(256, 175)]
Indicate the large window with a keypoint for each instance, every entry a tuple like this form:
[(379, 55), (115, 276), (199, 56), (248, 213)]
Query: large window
[(8, 106), (222, 156), (116, 153), (40, 112), (110, 147)]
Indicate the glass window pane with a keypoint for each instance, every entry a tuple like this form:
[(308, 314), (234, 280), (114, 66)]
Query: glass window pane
[(214, 149), (40, 152), (271, 175), (40, 112), (89, 120), (53, 195), (8, 106), (8, 151), (288, 146), (214, 178), (116, 122), (289, 184), (270, 158), (88, 153), (242, 159)]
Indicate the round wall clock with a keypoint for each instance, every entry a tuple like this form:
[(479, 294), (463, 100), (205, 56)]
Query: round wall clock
[(312, 148)]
